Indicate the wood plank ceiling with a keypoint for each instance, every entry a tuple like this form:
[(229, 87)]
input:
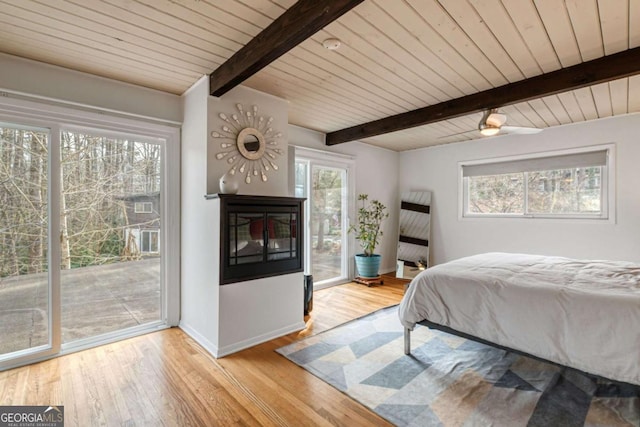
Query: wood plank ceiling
[(396, 55)]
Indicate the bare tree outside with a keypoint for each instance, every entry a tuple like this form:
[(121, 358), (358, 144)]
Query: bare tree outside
[(98, 174), (565, 191), (99, 177), (497, 194), (326, 222), (327, 207), (561, 191), (23, 201), (324, 194)]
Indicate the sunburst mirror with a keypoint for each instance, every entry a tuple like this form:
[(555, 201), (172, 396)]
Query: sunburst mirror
[(249, 143)]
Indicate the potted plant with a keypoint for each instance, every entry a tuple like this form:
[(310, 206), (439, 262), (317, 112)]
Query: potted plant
[(367, 231)]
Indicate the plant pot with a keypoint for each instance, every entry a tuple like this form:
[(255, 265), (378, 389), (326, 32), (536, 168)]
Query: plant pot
[(368, 266)]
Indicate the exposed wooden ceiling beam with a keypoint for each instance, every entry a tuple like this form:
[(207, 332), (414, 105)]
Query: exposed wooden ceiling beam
[(611, 67), (295, 25)]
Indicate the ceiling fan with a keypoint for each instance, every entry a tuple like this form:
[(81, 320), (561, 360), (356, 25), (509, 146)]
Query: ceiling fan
[(493, 122)]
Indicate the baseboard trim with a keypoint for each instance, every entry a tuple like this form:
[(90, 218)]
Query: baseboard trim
[(200, 339), (233, 348)]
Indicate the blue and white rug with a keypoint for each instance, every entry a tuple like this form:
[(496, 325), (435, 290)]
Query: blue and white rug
[(452, 381)]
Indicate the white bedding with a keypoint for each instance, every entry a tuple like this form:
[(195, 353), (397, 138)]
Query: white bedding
[(583, 314)]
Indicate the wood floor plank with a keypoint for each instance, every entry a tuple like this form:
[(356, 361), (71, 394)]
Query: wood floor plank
[(134, 392), (165, 378)]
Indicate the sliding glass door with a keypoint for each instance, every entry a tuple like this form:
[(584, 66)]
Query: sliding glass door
[(110, 227), (25, 289), (85, 254), (326, 187)]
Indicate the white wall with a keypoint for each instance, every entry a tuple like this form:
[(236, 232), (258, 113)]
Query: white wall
[(228, 318), (268, 106), (436, 169), (376, 175), (37, 79), (199, 229), (256, 311)]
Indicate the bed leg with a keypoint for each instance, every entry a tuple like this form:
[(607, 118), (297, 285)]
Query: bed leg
[(407, 341)]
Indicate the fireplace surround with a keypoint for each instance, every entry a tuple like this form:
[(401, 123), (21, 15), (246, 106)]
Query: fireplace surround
[(261, 236)]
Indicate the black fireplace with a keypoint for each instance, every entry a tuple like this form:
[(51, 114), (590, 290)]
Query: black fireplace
[(261, 236)]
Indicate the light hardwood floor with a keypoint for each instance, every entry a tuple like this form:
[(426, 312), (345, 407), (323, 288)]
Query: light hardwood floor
[(165, 378)]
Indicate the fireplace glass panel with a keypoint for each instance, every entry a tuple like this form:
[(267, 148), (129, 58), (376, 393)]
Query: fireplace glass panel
[(282, 236), (260, 237), (246, 238)]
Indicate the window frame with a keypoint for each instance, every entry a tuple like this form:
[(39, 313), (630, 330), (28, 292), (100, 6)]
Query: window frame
[(607, 187)]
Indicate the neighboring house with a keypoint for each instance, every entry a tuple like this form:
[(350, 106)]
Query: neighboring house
[(142, 230)]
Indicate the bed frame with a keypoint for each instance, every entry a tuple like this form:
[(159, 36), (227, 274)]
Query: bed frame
[(431, 325)]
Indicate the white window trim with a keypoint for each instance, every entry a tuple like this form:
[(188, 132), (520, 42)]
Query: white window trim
[(608, 182)]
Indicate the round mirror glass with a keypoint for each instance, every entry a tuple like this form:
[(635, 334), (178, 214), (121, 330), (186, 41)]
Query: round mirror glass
[(251, 143)]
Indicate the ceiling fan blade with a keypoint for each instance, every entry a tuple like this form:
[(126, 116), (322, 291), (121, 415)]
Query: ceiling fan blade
[(520, 130), (496, 120)]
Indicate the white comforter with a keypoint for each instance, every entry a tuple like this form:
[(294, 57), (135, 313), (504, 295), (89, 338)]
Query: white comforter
[(583, 314)]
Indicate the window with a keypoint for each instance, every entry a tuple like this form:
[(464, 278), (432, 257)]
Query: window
[(143, 207), (150, 241), (567, 185)]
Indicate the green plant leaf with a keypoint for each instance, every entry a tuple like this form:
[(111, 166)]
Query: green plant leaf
[(369, 220)]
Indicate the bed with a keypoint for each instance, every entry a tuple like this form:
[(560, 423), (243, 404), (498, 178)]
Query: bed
[(577, 313)]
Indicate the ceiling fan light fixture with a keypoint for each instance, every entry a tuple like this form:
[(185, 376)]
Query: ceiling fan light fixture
[(492, 123), (489, 130)]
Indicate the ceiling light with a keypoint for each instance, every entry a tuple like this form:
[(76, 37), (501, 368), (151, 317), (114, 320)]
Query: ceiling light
[(489, 130), (331, 44)]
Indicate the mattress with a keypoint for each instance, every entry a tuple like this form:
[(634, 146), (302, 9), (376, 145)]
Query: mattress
[(579, 313)]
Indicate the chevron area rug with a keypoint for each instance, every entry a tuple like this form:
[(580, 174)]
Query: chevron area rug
[(452, 381)]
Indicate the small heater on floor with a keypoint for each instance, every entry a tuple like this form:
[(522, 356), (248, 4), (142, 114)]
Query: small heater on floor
[(308, 294)]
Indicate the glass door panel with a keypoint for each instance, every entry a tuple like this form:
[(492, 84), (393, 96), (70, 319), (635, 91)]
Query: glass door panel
[(25, 290), (327, 222), (110, 233), (325, 189)]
